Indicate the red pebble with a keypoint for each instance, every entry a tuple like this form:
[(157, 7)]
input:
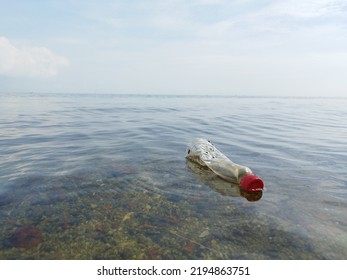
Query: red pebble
[(26, 237)]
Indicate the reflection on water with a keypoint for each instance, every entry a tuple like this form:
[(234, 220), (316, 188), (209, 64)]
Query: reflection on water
[(105, 177), (219, 185)]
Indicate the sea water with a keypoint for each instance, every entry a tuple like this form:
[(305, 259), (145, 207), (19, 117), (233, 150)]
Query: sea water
[(96, 176)]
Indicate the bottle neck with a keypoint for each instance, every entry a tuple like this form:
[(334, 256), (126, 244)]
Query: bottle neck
[(229, 170)]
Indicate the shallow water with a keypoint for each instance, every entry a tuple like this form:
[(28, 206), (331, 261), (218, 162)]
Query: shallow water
[(105, 177)]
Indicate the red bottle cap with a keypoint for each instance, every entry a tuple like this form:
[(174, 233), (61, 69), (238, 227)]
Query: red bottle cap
[(251, 183)]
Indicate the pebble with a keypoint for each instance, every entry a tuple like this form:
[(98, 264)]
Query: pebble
[(204, 233)]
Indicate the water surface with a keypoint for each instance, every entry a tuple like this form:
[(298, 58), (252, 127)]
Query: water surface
[(105, 177)]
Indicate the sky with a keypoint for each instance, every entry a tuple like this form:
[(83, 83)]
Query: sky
[(215, 47)]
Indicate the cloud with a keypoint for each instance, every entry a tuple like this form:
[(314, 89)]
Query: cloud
[(309, 9), (240, 46), (28, 61)]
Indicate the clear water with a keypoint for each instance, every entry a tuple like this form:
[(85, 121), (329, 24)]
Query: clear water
[(105, 177)]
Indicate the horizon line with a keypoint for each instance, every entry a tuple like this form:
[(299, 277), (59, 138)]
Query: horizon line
[(208, 95)]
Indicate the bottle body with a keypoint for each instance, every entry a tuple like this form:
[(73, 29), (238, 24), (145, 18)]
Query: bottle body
[(206, 154)]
